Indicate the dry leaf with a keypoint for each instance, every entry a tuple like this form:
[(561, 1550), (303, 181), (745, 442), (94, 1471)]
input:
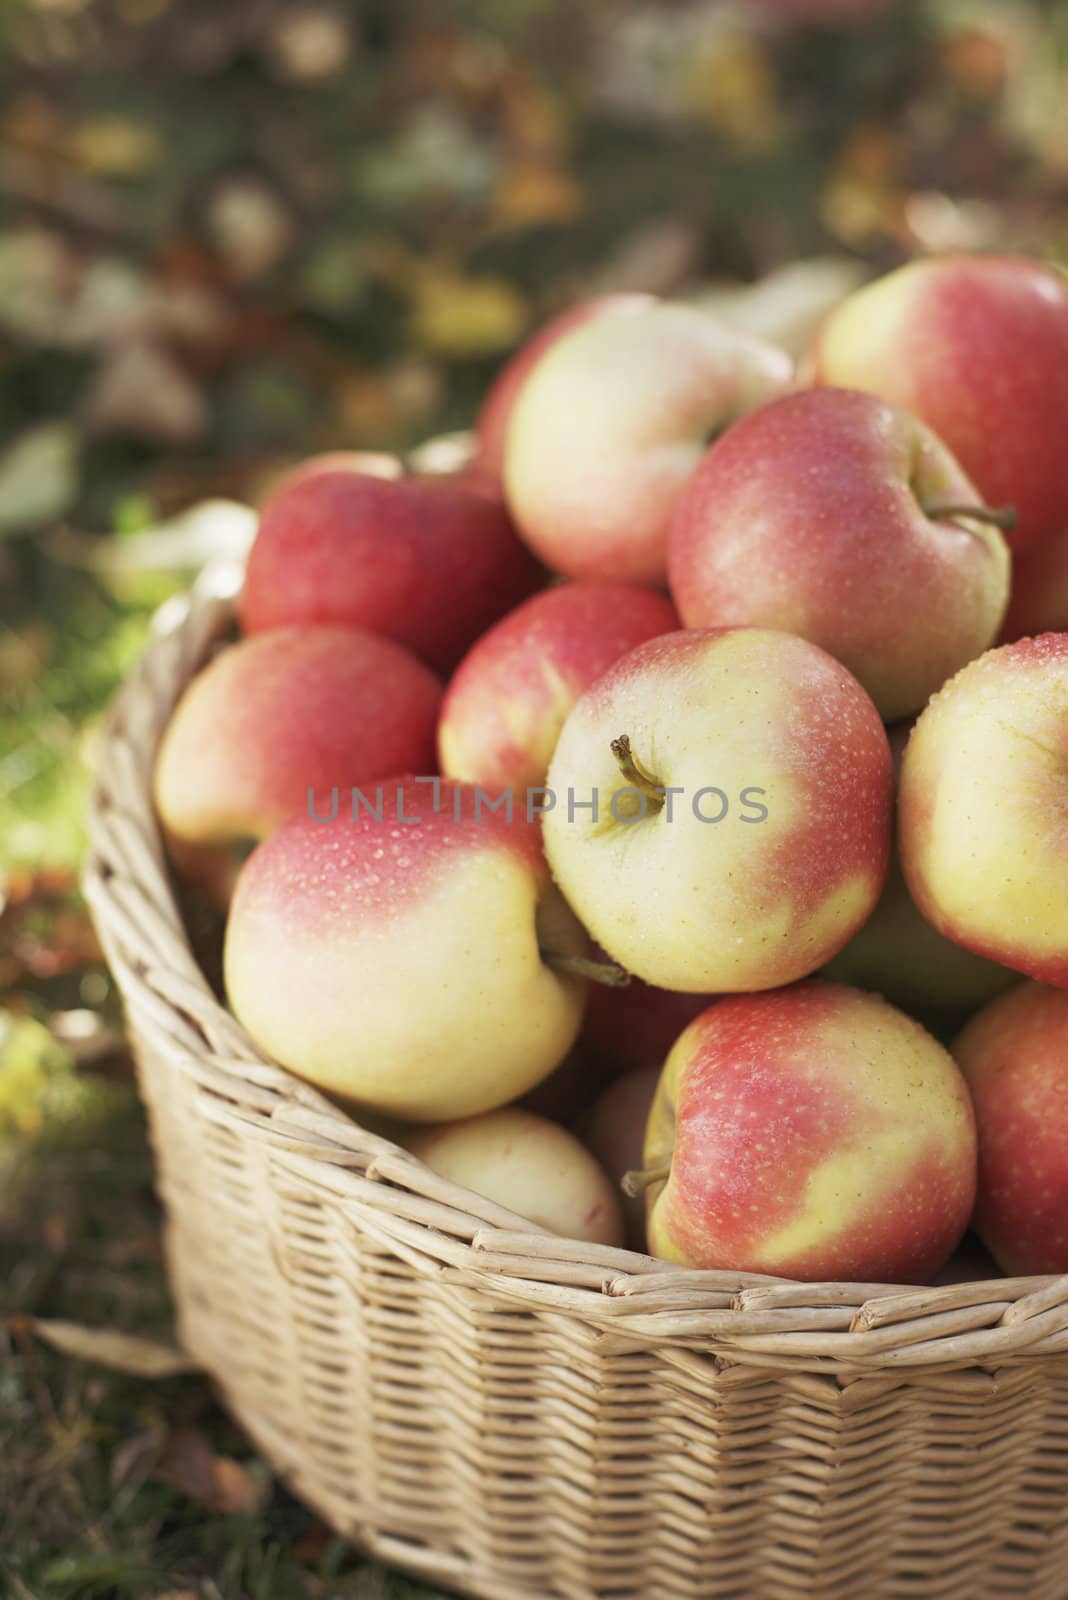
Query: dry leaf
[(189, 1465), (458, 316), (141, 390), (122, 1352), (38, 476)]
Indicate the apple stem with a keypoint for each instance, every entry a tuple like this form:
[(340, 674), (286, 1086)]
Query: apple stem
[(637, 776), (606, 972), (636, 1183), (1003, 517)]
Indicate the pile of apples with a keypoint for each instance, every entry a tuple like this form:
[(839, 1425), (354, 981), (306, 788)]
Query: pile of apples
[(656, 791)]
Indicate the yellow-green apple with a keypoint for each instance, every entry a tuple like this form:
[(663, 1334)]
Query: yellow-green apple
[(899, 954), (1014, 1055), (430, 562), (530, 1166), (814, 1132), (411, 955), (491, 426), (826, 514), (982, 824), (616, 1137), (511, 694), (720, 809), (611, 422), (977, 347), (1039, 599), (275, 722), (635, 1026)]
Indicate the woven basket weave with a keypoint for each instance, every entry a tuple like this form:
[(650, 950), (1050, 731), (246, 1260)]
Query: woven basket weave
[(515, 1415)]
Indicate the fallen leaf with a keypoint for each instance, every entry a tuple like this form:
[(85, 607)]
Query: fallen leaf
[(38, 476), (250, 226), (458, 316), (534, 194), (190, 1465), (141, 390), (122, 1352), (115, 147)]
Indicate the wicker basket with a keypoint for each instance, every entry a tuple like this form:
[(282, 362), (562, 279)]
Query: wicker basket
[(515, 1415)]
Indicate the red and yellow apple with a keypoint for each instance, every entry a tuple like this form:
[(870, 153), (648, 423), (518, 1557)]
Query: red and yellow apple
[(1014, 1055), (281, 718), (429, 562), (511, 694), (410, 955), (814, 1133), (611, 422), (528, 1165), (491, 426), (824, 514), (977, 347), (983, 825), (721, 809)]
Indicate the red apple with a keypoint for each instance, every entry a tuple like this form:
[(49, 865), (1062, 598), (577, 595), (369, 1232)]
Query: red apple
[(1014, 1055), (721, 809), (512, 692), (430, 562), (977, 347), (610, 424), (628, 1028), (286, 716), (491, 427), (411, 955), (814, 1133), (1039, 599), (616, 1137), (982, 822), (819, 514)]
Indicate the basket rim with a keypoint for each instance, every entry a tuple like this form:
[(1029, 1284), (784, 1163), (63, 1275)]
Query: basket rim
[(851, 1330)]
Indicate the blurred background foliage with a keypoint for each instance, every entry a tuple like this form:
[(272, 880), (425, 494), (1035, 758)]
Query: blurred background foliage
[(233, 232)]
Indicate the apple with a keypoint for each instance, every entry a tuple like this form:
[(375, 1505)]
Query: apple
[(982, 822), (610, 424), (1039, 599), (411, 955), (720, 809), (491, 426), (977, 347), (616, 1136), (530, 1166), (282, 717), (512, 692), (429, 562), (899, 955), (814, 1133), (834, 515), (371, 463), (1014, 1055), (568, 1093), (626, 1029)]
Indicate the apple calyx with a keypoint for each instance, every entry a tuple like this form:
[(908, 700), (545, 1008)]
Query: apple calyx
[(635, 1183), (573, 966), (1003, 517), (638, 777)]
